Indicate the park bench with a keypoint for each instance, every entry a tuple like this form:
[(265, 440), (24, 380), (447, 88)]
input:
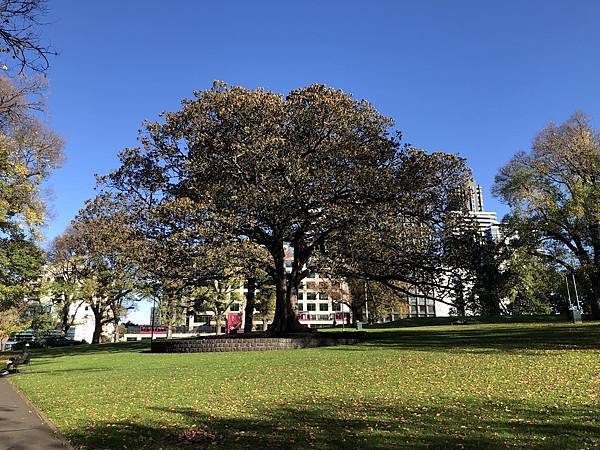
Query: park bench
[(13, 364)]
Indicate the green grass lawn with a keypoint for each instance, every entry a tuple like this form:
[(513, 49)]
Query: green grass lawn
[(503, 385)]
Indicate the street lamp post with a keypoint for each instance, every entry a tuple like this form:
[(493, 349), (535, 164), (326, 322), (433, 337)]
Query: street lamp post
[(152, 319), (576, 294), (568, 291)]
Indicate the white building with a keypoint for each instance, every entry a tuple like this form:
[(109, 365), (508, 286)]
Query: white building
[(488, 225)]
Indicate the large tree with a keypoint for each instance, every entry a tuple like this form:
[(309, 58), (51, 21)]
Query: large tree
[(29, 152), (303, 170), (554, 195)]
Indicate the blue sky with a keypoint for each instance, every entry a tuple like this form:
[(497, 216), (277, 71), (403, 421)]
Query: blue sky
[(468, 77)]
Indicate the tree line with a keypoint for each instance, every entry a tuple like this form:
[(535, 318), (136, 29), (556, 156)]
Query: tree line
[(220, 190)]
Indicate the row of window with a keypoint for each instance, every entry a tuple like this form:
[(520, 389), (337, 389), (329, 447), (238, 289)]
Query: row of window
[(421, 307), (313, 296), (420, 301), (317, 317), (322, 307), (422, 310)]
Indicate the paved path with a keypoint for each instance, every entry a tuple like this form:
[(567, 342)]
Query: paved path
[(21, 426)]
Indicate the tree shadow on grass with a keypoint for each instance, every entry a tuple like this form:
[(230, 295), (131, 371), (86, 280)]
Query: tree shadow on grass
[(330, 424), (489, 339), (61, 371)]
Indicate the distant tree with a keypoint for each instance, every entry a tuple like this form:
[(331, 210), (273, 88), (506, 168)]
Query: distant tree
[(554, 195), (258, 284), (89, 264), (103, 241), (11, 320), (20, 263), (217, 296), (264, 305), (383, 301), (41, 322), (65, 278), (302, 170)]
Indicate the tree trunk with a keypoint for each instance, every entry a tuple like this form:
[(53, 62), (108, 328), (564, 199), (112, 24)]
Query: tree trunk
[(354, 312), (250, 302), (218, 321), (64, 316), (169, 315), (116, 330), (285, 320), (97, 326), (460, 302)]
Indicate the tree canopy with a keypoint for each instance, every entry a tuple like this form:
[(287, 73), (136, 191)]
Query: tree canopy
[(309, 169), (554, 195)]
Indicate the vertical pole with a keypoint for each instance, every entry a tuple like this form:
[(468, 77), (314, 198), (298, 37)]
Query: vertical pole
[(153, 315), (575, 287), (568, 291), (366, 305)]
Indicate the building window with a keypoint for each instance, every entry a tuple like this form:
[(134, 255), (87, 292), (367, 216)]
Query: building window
[(323, 296), (300, 296), (311, 296), (234, 307), (421, 307), (300, 307), (311, 275), (311, 306), (337, 307), (202, 318), (323, 307), (323, 317)]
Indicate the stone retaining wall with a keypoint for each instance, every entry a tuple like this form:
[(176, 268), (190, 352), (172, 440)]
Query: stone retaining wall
[(240, 344)]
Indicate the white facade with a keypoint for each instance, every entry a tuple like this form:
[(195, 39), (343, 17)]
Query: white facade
[(315, 306), (84, 323)]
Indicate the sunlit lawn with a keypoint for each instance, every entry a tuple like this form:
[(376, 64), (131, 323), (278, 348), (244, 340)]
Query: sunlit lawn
[(522, 385)]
